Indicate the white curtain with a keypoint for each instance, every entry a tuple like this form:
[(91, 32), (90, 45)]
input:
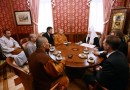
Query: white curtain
[(45, 15), (96, 15)]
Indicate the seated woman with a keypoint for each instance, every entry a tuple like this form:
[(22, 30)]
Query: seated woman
[(92, 38), (60, 38)]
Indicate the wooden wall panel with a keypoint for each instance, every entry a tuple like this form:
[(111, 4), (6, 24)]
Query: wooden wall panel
[(75, 37)]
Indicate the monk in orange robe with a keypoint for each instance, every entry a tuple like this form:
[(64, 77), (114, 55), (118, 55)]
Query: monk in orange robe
[(45, 71), (60, 38)]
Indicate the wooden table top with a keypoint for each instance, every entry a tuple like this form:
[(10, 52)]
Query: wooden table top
[(76, 61)]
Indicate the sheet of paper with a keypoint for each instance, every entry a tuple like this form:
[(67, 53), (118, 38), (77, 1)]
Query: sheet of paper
[(101, 51), (87, 45)]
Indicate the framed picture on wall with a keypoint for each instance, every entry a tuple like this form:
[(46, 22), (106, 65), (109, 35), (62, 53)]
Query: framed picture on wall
[(23, 17), (117, 19)]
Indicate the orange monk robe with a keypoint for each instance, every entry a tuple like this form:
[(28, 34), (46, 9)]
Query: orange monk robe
[(59, 38)]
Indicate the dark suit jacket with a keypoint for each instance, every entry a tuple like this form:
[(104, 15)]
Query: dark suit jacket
[(115, 72), (41, 80), (50, 38), (96, 41)]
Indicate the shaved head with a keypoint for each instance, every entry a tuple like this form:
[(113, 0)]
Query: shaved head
[(42, 42), (61, 31), (32, 35)]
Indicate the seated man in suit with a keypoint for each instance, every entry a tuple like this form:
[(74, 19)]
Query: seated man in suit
[(60, 38), (49, 35), (92, 37), (123, 46), (114, 72), (31, 46), (11, 48), (45, 71)]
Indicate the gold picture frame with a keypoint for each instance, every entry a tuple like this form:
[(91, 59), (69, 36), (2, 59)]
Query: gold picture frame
[(23, 17), (117, 19)]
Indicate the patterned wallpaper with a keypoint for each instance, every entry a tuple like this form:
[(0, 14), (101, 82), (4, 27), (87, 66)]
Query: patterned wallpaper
[(119, 3), (71, 15), (7, 8)]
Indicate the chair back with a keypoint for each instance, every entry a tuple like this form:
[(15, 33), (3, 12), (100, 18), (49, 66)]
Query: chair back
[(24, 40), (24, 43), (25, 77), (40, 34)]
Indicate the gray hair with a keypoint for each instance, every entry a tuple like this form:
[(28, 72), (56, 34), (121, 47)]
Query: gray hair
[(40, 41)]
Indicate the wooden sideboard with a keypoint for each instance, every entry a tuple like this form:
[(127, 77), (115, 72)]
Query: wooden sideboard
[(75, 37)]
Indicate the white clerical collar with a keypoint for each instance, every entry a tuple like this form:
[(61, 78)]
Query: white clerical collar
[(108, 54), (34, 44)]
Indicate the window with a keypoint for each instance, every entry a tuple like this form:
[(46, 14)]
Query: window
[(45, 15), (96, 15)]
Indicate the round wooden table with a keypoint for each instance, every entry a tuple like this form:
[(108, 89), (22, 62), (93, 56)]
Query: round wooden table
[(76, 61)]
